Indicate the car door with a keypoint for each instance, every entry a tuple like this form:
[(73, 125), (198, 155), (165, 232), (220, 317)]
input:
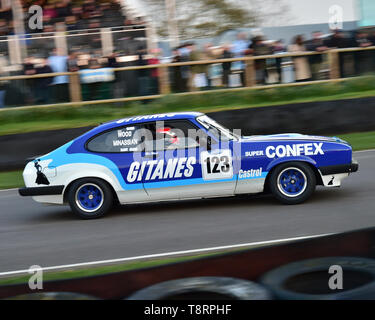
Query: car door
[(182, 168), (121, 146)]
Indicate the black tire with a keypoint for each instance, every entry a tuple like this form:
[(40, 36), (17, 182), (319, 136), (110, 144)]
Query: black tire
[(203, 288), (77, 206), (309, 279), (302, 170)]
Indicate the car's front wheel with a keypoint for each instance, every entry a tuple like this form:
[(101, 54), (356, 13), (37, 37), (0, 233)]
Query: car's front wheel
[(90, 198), (292, 182)]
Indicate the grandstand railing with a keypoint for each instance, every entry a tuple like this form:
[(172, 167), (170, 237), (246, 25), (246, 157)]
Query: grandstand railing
[(18, 47), (164, 82)]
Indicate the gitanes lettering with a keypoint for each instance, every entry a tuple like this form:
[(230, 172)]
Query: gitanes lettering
[(158, 170)]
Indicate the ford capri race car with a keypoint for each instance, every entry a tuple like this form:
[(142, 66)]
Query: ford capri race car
[(176, 156)]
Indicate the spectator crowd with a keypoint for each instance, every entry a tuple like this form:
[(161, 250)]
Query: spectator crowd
[(70, 15), (305, 68), (99, 81)]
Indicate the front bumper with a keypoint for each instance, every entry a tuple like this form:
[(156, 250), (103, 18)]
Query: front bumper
[(41, 191), (341, 168)]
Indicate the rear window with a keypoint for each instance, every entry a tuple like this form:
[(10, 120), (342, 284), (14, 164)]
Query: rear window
[(125, 139)]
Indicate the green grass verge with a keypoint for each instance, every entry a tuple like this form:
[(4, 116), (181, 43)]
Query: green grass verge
[(12, 179), (95, 271), (59, 117), (359, 141)]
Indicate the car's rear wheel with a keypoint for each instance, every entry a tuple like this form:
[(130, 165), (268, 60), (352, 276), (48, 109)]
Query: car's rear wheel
[(292, 182), (90, 198)]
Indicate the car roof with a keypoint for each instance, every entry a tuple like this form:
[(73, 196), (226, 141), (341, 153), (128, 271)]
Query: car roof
[(146, 118)]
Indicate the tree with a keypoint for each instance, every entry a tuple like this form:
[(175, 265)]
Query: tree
[(270, 13), (208, 18)]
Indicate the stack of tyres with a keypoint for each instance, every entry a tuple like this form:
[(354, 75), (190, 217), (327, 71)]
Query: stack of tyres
[(310, 279), (203, 288)]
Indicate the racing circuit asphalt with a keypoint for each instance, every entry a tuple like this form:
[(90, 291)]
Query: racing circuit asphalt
[(35, 234)]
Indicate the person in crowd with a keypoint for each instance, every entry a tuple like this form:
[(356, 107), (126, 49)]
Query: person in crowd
[(93, 88), (301, 64), (95, 38), (177, 83), (227, 54), (3, 83), (28, 88), (4, 28), (117, 83), (371, 37), (71, 23), (338, 41), (63, 8), (49, 11), (279, 48), (44, 45), (58, 63), (199, 71), (42, 91), (184, 54), (6, 10), (239, 49), (77, 11), (208, 54), (72, 62), (259, 48), (112, 60), (128, 22), (363, 59), (143, 74), (316, 61), (154, 73), (49, 28)]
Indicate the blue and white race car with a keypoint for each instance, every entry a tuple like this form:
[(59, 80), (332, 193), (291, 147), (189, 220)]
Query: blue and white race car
[(176, 156)]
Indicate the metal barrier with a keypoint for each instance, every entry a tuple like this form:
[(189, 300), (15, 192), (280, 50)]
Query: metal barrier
[(76, 88)]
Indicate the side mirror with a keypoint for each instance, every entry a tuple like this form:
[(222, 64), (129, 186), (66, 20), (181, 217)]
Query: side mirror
[(209, 142), (204, 141)]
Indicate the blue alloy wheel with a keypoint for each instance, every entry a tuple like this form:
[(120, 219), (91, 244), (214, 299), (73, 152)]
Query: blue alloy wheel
[(89, 197), (292, 182)]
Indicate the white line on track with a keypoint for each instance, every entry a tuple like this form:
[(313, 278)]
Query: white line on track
[(166, 254), (4, 190), (362, 151)]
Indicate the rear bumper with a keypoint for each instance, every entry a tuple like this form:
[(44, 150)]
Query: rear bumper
[(41, 191), (341, 168)]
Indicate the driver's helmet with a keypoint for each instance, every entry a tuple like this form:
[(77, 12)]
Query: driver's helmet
[(169, 136)]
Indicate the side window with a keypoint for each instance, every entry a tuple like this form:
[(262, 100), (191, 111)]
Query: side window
[(177, 134), (125, 139)]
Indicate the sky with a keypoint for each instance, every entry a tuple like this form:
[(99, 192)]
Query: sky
[(317, 11), (301, 11)]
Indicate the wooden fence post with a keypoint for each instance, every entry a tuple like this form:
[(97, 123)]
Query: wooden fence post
[(250, 73), (75, 87), (164, 85), (334, 65)]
